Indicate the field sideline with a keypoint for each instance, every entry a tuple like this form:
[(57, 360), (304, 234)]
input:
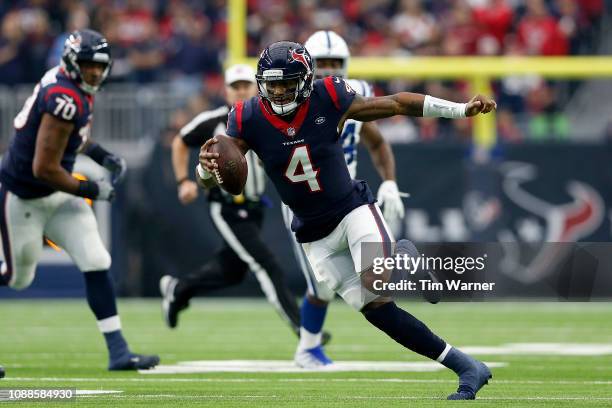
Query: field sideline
[(53, 344)]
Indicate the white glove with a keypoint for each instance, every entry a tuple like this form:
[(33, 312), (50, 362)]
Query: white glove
[(106, 190), (389, 198)]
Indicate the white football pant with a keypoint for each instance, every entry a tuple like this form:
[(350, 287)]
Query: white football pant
[(65, 219), (336, 261)]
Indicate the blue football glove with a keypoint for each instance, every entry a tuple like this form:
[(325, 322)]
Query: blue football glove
[(116, 166)]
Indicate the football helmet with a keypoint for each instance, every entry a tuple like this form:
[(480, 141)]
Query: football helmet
[(328, 45), (281, 61), (85, 45)]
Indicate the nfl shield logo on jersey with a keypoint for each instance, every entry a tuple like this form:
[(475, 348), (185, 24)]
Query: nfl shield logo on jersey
[(291, 131)]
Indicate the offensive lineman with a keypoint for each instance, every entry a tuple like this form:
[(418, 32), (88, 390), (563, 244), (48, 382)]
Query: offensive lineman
[(330, 56), (293, 126), (40, 197)]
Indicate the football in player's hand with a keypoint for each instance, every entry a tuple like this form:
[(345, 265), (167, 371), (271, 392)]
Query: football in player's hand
[(233, 170)]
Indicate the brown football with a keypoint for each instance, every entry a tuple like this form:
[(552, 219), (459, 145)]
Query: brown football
[(233, 170)]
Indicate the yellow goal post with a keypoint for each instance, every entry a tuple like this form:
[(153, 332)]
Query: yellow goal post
[(479, 71)]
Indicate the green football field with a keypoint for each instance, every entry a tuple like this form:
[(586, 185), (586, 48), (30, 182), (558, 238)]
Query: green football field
[(545, 354)]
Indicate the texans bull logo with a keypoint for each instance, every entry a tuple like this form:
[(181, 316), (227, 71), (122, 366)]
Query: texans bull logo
[(301, 57), (568, 222)]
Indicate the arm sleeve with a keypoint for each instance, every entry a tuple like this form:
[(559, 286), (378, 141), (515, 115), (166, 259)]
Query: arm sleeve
[(340, 92)]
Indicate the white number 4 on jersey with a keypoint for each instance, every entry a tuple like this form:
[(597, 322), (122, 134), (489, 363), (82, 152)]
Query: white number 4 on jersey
[(307, 174)]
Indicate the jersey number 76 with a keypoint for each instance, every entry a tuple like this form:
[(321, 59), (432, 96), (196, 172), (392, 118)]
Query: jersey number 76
[(301, 170)]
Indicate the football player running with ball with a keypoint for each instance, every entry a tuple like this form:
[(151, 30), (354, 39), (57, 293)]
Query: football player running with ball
[(293, 126), (40, 197), (330, 56)]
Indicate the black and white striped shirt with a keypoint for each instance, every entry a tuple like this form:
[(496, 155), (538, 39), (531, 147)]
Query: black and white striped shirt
[(214, 122)]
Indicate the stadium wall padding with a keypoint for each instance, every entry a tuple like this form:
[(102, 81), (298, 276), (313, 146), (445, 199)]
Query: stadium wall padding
[(452, 199)]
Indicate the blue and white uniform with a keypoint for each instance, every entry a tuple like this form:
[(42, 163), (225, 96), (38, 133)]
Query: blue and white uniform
[(351, 133)]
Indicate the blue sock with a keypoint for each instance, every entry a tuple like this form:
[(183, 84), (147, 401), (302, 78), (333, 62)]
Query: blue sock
[(4, 276), (116, 345), (101, 300), (312, 316), (458, 361), (406, 329), (100, 294)]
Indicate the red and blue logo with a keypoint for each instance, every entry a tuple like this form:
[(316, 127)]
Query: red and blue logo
[(301, 57)]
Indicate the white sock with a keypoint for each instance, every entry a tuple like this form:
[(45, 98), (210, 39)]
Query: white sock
[(110, 324), (309, 340), (444, 353)]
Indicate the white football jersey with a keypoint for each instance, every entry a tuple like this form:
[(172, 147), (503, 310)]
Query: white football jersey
[(352, 128)]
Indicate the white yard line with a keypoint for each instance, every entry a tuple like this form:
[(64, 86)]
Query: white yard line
[(81, 393), (286, 366), (345, 398), (300, 380), (182, 396)]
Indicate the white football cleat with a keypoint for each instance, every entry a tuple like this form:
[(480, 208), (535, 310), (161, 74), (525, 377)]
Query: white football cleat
[(170, 308), (313, 358)]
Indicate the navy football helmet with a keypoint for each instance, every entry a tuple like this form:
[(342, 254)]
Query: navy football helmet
[(85, 45), (281, 61)]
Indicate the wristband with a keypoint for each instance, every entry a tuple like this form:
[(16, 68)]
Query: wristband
[(88, 189), (441, 108), (203, 173), (181, 180)]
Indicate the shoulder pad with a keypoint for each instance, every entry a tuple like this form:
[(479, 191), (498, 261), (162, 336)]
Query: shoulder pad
[(361, 87)]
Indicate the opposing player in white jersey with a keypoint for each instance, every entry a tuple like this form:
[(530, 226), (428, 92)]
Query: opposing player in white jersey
[(330, 56)]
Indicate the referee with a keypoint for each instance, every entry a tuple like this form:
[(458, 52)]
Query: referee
[(238, 219)]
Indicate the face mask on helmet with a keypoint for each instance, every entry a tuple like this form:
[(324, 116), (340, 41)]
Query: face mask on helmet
[(325, 67), (83, 51), (283, 94)]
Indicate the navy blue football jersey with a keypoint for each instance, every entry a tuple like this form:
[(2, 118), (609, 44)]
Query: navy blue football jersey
[(58, 96), (304, 158)]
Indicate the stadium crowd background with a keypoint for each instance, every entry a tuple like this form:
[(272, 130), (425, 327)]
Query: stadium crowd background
[(182, 43)]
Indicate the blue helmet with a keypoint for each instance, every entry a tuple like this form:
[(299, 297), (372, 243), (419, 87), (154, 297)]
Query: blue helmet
[(285, 60), (85, 45)]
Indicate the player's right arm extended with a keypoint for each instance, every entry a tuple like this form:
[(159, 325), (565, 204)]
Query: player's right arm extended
[(413, 104), (208, 161), (51, 141)]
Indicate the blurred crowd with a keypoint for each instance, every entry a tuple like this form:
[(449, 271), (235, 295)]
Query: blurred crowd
[(151, 40), (442, 27), (182, 42)]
